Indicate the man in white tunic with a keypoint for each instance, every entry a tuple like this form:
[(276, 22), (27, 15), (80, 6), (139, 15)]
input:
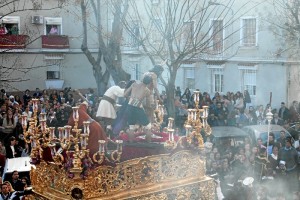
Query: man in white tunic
[(106, 110)]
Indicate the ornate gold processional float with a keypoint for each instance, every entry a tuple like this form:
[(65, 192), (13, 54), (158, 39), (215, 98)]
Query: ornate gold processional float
[(72, 173)]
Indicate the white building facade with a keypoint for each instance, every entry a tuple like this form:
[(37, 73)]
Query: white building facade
[(245, 53)]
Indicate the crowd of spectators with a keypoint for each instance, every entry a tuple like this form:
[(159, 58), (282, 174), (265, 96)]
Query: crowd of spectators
[(57, 106), (235, 109), (230, 163), (276, 176)]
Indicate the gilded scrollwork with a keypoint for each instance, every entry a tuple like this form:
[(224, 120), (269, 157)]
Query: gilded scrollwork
[(152, 172)]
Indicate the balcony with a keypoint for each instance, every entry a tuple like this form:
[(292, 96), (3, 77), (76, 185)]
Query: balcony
[(13, 41), (55, 42)]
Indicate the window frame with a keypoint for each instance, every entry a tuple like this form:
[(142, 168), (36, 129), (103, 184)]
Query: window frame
[(9, 19), (242, 42), (245, 69), (155, 37), (53, 21), (183, 39), (216, 70), (187, 78), (53, 65), (212, 32)]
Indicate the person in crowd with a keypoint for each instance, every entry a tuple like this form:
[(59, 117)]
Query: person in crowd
[(53, 30), (106, 110), (260, 115), (277, 120), (221, 114), (178, 92), (288, 156), (9, 122), (26, 151), (11, 149), (261, 148), (186, 95), (247, 99), (3, 29), (281, 139), (16, 182), (2, 149), (239, 101), (271, 143), (149, 107), (283, 112), (37, 93), (294, 114), (5, 193), (273, 159), (27, 113), (25, 182)]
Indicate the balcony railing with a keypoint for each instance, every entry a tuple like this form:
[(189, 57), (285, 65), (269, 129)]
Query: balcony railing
[(13, 41), (55, 42)]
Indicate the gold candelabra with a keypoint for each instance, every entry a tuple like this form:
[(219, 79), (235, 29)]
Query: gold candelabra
[(197, 122), (70, 139)]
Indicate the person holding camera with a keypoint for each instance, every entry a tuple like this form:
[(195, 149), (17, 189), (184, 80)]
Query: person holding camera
[(288, 157)]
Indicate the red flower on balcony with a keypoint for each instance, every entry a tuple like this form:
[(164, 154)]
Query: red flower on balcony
[(55, 41), (13, 41)]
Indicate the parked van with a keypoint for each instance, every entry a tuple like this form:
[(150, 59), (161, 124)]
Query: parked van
[(261, 131)]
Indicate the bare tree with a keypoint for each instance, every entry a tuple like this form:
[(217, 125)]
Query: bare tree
[(108, 44), (178, 31), (284, 22)]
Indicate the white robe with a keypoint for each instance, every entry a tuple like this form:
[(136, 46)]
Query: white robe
[(106, 109)]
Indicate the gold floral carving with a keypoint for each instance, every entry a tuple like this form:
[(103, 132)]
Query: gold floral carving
[(160, 177)]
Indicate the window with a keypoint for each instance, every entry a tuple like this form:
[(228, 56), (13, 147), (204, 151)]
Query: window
[(156, 31), (248, 32), (248, 76), (155, 1), (135, 34), (189, 77), (187, 33), (53, 26), (53, 69), (11, 24), (216, 78), (217, 36)]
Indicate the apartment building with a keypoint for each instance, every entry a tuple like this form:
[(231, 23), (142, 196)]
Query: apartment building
[(43, 49)]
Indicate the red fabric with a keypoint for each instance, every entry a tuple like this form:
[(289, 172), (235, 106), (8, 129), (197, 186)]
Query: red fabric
[(96, 131), (55, 42), (164, 137), (13, 41), (131, 152)]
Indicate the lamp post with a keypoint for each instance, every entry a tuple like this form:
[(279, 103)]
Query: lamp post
[(269, 117)]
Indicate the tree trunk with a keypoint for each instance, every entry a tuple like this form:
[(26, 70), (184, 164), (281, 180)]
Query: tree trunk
[(101, 79), (170, 91)]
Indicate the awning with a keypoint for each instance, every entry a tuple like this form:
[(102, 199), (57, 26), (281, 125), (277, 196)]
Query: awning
[(13, 41), (55, 41)]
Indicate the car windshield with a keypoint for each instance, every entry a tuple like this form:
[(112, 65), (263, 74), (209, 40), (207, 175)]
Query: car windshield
[(264, 136)]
